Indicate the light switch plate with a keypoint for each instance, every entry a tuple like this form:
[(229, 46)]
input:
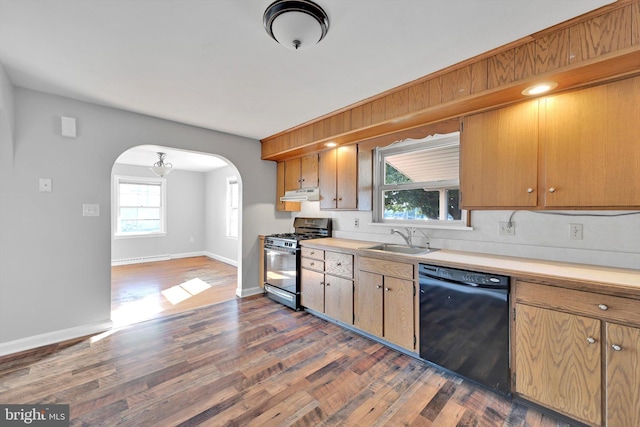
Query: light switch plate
[(45, 185), (90, 209)]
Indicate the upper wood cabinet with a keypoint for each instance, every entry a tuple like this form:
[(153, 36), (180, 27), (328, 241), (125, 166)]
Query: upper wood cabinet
[(499, 157), (301, 173), (280, 190), (338, 173), (592, 146), (573, 150)]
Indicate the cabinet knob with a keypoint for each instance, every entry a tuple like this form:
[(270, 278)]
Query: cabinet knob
[(339, 264), (552, 190), (321, 283), (603, 307), (591, 340), (334, 199), (387, 289), (616, 347), (529, 190), (312, 252), (339, 198), (378, 287), (327, 284), (302, 179), (312, 264)]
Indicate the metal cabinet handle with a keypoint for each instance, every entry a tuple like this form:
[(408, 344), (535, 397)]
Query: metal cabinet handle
[(529, 190), (552, 190), (591, 340), (603, 307), (616, 347)]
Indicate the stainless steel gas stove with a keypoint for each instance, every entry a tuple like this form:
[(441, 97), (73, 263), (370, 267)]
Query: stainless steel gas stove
[(282, 259)]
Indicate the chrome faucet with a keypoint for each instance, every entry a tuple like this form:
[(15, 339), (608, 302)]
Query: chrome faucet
[(406, 237)]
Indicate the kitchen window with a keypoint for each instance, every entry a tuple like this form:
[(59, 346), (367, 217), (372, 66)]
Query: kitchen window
[(140, 205), (417, 182), (232, 207)]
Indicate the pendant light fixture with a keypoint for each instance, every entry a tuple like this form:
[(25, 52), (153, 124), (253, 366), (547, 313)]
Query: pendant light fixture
[(161, 168), (296, 24)]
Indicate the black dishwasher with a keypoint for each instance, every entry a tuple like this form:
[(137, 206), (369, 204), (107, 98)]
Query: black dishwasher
[(464, 324)]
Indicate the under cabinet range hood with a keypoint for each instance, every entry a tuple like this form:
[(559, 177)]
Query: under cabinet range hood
[(308, 194)]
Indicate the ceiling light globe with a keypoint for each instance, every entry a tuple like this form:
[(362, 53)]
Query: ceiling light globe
[(296, 24)]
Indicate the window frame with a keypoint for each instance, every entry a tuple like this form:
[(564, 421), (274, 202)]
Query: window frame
[(379, 187), (229, 233), (122, 179)]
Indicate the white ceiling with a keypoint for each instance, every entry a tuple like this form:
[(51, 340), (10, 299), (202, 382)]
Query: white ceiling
[(146, 155), (210, 63)]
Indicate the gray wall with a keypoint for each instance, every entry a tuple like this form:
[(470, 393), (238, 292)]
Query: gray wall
[(55, 271), (217, 243), (185, 217)]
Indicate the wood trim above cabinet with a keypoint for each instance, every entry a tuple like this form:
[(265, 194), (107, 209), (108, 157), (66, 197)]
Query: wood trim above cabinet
[(595, 47)]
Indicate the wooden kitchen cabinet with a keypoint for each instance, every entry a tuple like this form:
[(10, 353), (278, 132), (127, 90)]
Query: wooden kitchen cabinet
[(567, 342), (384, 300), (327, 283), (499, 157), (301, 173), (572, 150), (591, 149), (338, 178), (557, 361), (280, 190)]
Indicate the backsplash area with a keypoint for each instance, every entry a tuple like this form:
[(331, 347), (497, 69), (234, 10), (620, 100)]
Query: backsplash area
[(610, 238)]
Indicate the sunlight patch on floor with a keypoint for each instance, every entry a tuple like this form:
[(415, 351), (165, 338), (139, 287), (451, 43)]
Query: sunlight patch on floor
[(177, 294)]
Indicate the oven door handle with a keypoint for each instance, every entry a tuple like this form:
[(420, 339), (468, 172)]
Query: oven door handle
[(269, 251)]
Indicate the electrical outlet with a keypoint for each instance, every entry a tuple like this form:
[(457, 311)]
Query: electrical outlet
[(507, 229), (356, 223), (575, 231)]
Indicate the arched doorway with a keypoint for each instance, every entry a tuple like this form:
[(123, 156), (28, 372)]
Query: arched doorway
[(175, 241)]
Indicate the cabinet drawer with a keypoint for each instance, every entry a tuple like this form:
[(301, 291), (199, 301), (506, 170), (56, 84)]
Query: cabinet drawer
[(339, 264), (312, 253), (387, 268), (312, 264), (617, 309)]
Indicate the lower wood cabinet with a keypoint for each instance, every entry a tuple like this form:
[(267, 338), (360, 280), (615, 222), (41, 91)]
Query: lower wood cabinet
[(327, 283), (573, 355), (384, 300)]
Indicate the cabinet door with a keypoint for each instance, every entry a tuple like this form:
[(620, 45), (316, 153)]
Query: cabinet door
[(327, 176), (309, 171), (623, 375), (367, 302), (280, 189), (558, 362), (338, 298), (312, 290), (347, 177), (591, 149), (292, 174), (499, 157), (398, 312)]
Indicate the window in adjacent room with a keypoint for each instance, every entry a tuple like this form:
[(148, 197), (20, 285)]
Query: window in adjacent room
[(232, 207), (417, 182), (140, 206)]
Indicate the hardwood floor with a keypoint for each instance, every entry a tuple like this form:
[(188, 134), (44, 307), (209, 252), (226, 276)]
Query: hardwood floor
[(155, 289), (248, 362)]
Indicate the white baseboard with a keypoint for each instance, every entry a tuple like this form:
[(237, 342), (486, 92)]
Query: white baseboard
[(222, 259), (54, 337), (248, 292), (154, 258)]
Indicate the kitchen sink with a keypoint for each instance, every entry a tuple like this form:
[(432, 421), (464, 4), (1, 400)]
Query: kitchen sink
[(402, 249)]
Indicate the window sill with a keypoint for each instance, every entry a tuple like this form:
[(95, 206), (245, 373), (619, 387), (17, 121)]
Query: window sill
[(138, 236)]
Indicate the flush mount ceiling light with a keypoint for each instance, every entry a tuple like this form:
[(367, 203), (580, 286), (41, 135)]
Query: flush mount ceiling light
[(296, 24), (539, 88), (161, 168)]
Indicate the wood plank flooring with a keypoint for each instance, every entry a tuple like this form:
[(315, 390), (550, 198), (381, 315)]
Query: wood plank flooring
[(248, 362), (156, 289)]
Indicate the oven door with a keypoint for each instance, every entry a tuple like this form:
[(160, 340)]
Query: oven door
[(281, 269)]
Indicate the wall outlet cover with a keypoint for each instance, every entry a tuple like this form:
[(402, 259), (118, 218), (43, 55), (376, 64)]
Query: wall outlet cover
[(507, 228)]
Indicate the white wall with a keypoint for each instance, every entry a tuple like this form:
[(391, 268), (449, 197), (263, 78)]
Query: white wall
[(217, 243), (608, 241), (55, 264), (185, 225)]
